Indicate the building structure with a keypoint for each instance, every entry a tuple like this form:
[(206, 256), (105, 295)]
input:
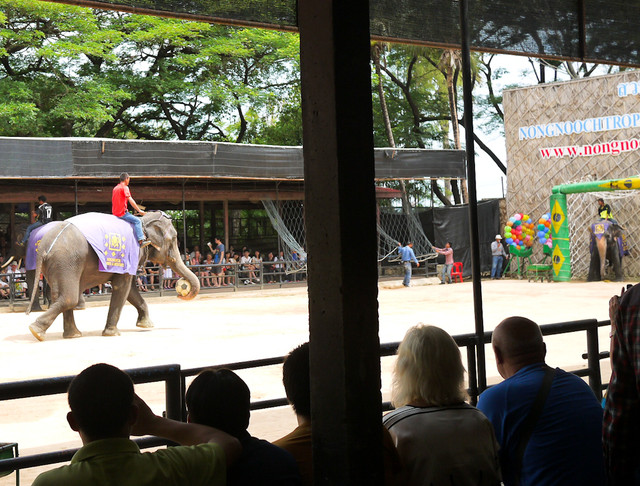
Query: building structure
[(217, 188)]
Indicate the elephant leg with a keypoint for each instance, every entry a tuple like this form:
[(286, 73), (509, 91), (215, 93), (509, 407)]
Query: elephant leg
[(70, 329), (46, 292), (32, 286), (601, 245), (82, 304), (121, 285), (62, 303), (594, 265), (136, 300), (616, 260)]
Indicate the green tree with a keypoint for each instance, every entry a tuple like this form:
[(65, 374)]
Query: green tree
[(70, 71)]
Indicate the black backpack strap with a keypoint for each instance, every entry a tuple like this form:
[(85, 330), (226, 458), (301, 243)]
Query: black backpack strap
[(531, 420)]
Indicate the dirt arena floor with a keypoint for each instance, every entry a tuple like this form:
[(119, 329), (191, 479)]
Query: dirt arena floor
[(225, 327)]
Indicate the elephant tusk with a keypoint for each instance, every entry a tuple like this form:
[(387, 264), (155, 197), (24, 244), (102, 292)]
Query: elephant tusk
[(6, 264)]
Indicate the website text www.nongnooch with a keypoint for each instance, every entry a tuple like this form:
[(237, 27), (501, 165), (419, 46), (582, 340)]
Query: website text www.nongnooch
[(614, 147)]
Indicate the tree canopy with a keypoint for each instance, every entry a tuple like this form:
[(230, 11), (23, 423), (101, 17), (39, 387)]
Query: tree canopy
[(70, 71)]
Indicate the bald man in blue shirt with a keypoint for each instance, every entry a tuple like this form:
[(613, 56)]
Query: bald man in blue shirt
[(407, 256)]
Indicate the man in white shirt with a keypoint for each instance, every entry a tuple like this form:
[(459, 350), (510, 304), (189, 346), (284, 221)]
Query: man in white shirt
[(497, 256)]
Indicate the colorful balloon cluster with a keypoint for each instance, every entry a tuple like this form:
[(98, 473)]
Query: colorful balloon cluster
[(519, 231), (544, 230)]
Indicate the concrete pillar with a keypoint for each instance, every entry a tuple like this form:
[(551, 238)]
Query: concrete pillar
[(340, 211)]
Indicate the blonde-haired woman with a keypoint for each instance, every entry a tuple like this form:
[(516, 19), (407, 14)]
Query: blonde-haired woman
[(441, 439)]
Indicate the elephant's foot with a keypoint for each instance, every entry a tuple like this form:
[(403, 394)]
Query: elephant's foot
[(71, 334), (38, 331), (111, 331), (144, 322), (81, 306)]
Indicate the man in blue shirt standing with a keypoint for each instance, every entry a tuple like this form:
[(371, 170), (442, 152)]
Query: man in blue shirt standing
[(407, 256)]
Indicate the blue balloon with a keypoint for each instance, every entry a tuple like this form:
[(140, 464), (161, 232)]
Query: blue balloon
[(510, 241), (543, 240)]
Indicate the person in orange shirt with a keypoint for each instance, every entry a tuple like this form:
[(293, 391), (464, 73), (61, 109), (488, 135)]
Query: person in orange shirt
[(120, 197)]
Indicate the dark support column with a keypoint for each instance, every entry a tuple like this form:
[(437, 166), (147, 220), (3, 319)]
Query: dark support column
[(75, 192), (225, 210), (341, 234), (473, 196), (203, 240), (184, 222), (12, 224)]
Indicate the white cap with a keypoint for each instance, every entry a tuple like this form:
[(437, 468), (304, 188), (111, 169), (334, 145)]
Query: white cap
[(498, 237)]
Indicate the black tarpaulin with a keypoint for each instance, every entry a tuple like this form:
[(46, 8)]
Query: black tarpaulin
[(77, 157)]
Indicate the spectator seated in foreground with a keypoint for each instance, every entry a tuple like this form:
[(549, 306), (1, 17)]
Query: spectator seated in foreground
[(297, 385), (441, 439), (105, 411), (221, 399), (565, 436)]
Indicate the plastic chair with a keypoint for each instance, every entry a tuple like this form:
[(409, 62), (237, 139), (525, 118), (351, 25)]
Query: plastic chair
[(9, 450), (456, 271)]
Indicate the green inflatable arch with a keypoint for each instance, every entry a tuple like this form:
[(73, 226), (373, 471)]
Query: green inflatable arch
[(560, 253)]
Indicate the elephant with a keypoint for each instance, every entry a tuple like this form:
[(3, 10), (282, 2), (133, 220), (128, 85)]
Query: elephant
[(18, 253), (70, 264), (606, 246)]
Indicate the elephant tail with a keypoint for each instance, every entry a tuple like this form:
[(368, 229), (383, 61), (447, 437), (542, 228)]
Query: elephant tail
[(36, 281)]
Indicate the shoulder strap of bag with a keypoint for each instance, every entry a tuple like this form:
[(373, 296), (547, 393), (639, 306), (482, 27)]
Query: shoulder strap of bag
[(532, 419)]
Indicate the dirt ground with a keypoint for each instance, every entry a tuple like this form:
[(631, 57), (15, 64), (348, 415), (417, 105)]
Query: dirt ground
[(218, 328)]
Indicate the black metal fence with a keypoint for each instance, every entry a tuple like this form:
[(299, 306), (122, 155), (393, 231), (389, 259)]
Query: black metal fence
[(175, 383)]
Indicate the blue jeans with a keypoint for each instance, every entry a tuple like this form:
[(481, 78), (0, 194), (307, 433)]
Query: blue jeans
[(496, 267), (30, 228), (407, 274), (446, 271), (137, 224)]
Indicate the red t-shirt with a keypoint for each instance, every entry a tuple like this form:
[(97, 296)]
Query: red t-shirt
[(119, 199)]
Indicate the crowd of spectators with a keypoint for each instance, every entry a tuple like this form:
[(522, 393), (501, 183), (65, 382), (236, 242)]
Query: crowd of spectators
[(214, 270), (12, 278), (540, 425), (220, 268)]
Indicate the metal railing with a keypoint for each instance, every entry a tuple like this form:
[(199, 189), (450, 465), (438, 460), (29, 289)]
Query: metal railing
[(268, 274), (175, 383)]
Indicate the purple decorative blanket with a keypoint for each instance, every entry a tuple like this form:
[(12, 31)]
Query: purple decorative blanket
[(33, 244), (112, 239)]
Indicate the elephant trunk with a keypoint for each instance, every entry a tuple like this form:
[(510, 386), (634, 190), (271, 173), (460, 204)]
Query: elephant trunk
[(178, 266)]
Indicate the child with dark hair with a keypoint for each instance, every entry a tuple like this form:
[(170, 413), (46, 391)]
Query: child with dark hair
[(221, 399)]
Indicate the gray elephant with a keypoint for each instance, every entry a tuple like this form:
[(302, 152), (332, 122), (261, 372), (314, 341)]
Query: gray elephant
[(606, 246), (70, 263), (18, 253)]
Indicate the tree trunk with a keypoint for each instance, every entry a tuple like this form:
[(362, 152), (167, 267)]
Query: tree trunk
[(375, 51)]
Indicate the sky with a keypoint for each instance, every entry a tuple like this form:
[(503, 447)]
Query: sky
[(490, 181)]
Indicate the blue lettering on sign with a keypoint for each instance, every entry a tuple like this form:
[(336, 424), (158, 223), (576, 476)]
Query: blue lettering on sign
[(625, 89), (587, 122), (589, 125), (616, 122)]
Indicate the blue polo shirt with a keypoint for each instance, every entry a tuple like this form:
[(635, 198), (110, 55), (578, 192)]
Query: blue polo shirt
[(566, 445), (406, 254)]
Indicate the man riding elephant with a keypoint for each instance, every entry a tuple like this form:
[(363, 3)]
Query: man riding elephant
[(121, 195)]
